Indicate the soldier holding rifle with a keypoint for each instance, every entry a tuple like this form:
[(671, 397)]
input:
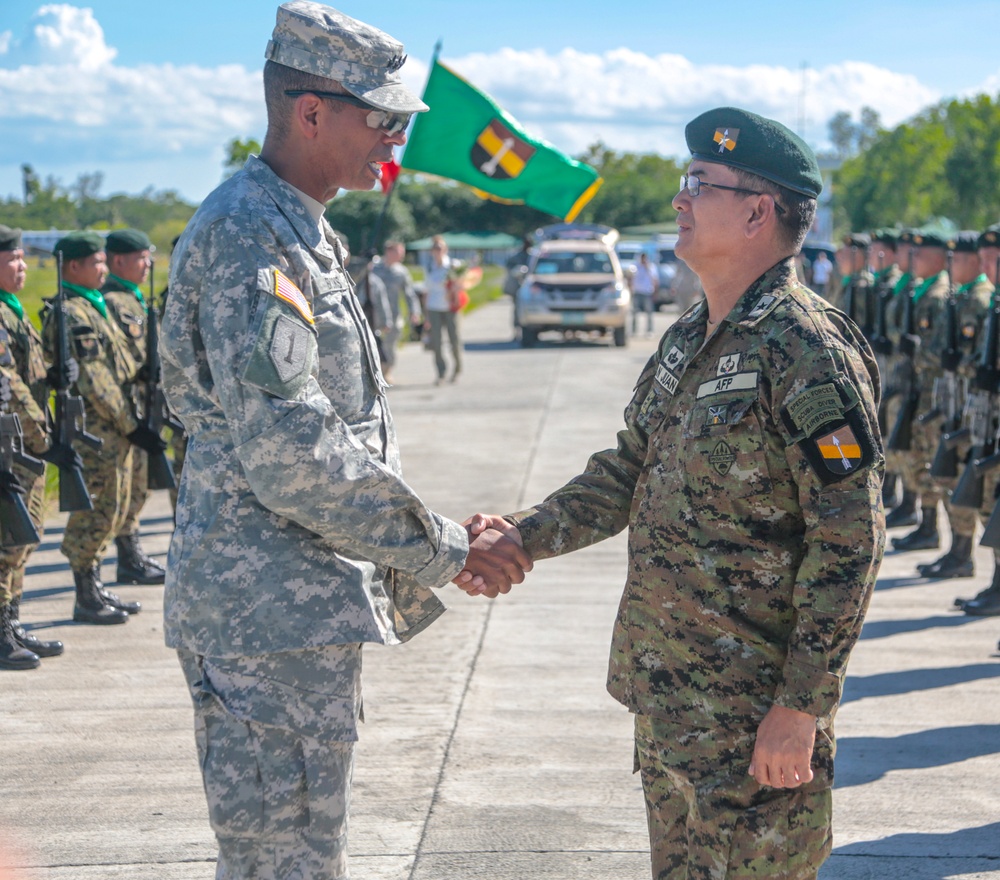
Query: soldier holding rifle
[(129, 259), (966, 310), (27, 383)]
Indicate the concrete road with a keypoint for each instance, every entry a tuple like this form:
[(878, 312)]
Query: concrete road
[(491, 749)]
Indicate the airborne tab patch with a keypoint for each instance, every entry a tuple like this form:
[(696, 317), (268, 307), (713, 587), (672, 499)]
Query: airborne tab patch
[(814, 408)]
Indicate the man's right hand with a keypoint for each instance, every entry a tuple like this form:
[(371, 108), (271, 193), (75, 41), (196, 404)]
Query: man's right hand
[(496, 557)]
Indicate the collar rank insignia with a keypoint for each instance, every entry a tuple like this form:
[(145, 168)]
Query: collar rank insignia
[(726, 138), (840, 450), (761, 307), (728, 364)]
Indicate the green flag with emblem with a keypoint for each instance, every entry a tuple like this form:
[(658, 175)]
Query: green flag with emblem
[(465, 136)]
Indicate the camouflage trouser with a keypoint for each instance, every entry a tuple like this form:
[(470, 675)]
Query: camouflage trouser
[(275, 738), (138, 492), (710, 820), (14, 559), (925, 443), (108, 474), (897, 462), (178, 445)]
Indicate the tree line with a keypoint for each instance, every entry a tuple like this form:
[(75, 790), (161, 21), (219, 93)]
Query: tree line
[(942, 163)]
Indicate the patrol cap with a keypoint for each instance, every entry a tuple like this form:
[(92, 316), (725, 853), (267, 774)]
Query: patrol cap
[(990, 237), (966, 241), (742, 139), (79, 245), (127, 241), (320, 40), (10, 239), (930, 238), (858, 240)]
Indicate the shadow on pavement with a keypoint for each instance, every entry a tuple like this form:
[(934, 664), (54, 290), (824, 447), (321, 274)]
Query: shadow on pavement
[(968, 843), (864, 759), (885, 684), (880, 629)]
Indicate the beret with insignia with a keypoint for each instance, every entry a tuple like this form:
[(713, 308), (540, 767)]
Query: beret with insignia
[(10, 239), (857, 239), (79, 245), (742, 139), (127, 241), (931, 238), (887, 235), (966, 241)]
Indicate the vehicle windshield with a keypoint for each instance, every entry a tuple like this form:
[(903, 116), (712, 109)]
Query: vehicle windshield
[(572, 262)]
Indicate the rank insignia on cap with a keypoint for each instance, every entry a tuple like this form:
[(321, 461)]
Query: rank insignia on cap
[(840, 450), (286, 290), (726, 138)]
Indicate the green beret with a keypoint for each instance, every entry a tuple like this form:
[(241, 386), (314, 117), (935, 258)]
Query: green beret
[(79, 245), (888, 236), (932, 238), (127, 241), (735, 137), (10, 239), (858, 240), (990, 238), (966, 241)]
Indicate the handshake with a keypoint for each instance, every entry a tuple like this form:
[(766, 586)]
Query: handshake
[(496, 559)]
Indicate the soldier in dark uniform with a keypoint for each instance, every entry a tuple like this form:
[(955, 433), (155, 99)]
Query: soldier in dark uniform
[(749, 474), (22, 367), (972, 303), (129, 258)]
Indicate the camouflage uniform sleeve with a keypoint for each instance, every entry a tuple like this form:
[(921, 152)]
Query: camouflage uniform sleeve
[(34, 427), (596, 504), (844, 526), (298, 455)]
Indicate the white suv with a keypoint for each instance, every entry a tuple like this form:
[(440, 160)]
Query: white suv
[(574, 283)]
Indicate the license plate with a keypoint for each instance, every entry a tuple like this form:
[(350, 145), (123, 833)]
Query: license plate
[(574, 318)]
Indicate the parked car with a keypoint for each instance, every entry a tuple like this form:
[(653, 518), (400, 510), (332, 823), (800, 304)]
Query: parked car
[(574, 284), (660, 251)]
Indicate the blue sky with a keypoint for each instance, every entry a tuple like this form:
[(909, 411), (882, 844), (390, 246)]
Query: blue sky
[(149, 93)]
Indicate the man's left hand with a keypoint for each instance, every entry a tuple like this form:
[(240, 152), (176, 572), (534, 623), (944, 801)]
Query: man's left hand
[(784, 747)]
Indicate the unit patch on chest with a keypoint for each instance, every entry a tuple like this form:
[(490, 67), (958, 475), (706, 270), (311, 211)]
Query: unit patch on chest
[(722, 384), (728, 364), (722, 458)]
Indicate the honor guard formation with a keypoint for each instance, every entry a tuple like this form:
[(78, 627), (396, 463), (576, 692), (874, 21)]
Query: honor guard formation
[(770, 440)]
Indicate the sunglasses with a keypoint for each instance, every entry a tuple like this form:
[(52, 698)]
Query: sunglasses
[(387, 121), (694, 184)]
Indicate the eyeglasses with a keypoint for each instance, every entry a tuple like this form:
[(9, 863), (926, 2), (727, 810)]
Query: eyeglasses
[(694, 184), (388, 121)]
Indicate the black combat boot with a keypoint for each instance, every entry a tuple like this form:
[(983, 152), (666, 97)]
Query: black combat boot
[(905, 514), (91, 606), (993, 589), (12, 655), (924, 537), (956, 563), (134, 566), (987, 603), (890, 484), (27, 640)]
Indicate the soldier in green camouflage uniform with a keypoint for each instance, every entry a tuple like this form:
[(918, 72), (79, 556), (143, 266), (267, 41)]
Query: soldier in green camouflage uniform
[(972, 303), (987, 602), (749, 476), (129, 259), (23, 368), (297, 539), (106, 370), (929, 298)]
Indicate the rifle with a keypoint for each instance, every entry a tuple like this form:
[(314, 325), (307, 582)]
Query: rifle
[(987, 374), (901, 438), (16, 527), (870, 293), (71, 419), (982, 416), (947, 390), (161, 473)]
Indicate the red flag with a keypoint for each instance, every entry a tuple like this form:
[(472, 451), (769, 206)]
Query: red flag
[(390, 171)]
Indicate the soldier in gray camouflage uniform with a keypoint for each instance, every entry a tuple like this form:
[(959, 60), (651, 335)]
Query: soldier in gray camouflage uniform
[(399, 287), (749, 476), (297, 539), (129, 259)]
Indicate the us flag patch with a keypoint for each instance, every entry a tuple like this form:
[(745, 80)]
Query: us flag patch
[(284, 288)]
